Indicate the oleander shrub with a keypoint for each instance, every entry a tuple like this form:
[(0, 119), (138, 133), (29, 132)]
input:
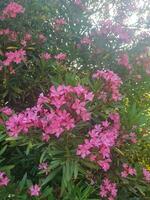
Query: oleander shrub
[(74, 100)]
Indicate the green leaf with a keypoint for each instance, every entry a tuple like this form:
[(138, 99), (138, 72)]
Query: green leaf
[(141, 189), (47, 193), (29, 147), (23, 181), (76, 169), (51, 176), (3, 149), (42, 156)]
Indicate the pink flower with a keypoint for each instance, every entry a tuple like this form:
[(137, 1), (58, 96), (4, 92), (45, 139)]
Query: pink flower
[(127, 170), (12, 35), (61, 56), (23, 43), (14, 125), (54, 113), (66, 122), (124, 174), (108, 189), (27, 37), (77, 2), (93, 157), (84, 149), (132, 171), (42, 38), (17, 57), (46, 56), (44, 167), (105, 124), (22, 122), (103, 96), (104, 164), (34, 190), (104, 151), (100, 141), (11, 70), (3, 179), (89, 96), (120, 31), (133, 138), (79, 106), (146, 175), (60, 22), (12, 10), (124, 61), (6, 110), (130, 137), (110, 29), (4, 31), (112, 84), (45, 137), (86, 41), (85, 116), (42, 100)]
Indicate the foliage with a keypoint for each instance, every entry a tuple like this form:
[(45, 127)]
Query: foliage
[(74, 97)]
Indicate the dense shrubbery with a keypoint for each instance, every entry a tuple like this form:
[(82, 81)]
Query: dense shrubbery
[(74, 97)]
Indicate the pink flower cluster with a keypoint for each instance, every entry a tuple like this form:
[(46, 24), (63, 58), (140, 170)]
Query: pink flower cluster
[(59, 22), (108, 28), (46, 56), (127, 170), (143, 59), (21, 122), (44, 167), (108, 189), (27, 38), (80, 4), (124, 61), (100, 141), (146, 175), (54, 114), (61, 56), (3, 179), (130, 137), (34, 190), (42, 38), (12, 35), (6, 111), (14, 57), (12, 10), (111, 86), (86, 41), (11, 70), (77, 2)]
